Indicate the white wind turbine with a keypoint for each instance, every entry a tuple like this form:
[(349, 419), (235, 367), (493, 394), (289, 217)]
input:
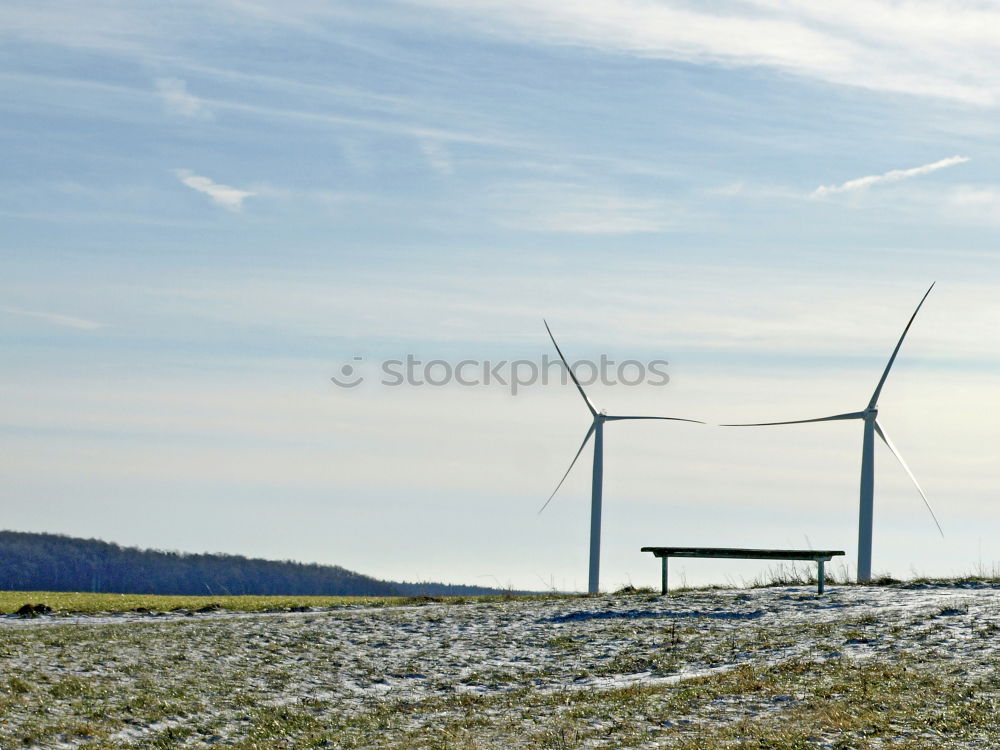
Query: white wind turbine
[(872, 427), (597, 430)]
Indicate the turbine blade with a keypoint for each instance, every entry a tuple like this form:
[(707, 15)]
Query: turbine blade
[(571, 465), (885, 439), (672, 419), (852, 415), (885, 374), (593, 409)]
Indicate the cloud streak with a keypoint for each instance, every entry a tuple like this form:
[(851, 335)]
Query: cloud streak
[(933, 49), (929, 48), (228, 197), (571, 208), (177, 100), (438, 157), (894, 175), (69, 321)]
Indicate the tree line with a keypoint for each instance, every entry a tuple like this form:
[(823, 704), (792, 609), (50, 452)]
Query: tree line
[(53, 562)]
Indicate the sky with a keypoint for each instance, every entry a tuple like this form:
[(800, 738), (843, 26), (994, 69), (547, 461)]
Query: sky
[(209, 210)]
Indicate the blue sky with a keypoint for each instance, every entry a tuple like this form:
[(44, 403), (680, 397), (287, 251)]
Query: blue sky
[(210, 208)]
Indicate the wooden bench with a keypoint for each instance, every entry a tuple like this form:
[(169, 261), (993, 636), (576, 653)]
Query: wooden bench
[(819, 556)]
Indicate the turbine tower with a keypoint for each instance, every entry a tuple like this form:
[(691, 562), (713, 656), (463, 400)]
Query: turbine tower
[(597, 430), (871, 428)]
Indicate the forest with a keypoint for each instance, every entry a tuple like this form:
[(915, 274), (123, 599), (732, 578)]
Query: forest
[(53, 562)]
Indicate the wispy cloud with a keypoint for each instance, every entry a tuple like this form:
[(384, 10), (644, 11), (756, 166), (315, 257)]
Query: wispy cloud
[(976, 196), (894, 175), (69, 321), (933, 48), (376, 123), (578, 209), (357, 154), (225, 196), (299, 196), (971, 204), (372, 124), (178, 100), (438, 157)]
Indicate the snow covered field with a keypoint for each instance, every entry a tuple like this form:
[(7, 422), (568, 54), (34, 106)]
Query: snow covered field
[(894, 666)]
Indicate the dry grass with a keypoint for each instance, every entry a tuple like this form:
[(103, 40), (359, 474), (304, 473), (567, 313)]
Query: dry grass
[(863, 681), (66, 601)]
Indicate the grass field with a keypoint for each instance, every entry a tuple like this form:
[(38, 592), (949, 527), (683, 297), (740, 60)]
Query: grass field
[(900, 666), (11, 601), (66, 602)]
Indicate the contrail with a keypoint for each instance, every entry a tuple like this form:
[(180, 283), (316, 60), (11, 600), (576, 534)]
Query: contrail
[(894, 176)]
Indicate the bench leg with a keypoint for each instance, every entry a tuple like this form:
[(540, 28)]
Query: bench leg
[(663, 576), (819, 578)]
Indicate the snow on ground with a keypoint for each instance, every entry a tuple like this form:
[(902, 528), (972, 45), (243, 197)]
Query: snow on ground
[(204, 679)]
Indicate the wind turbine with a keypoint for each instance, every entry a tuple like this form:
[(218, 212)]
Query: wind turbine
[(597, 430), (872, 427)]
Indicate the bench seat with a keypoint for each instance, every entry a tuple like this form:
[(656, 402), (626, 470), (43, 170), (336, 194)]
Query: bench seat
[(820, 557)]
